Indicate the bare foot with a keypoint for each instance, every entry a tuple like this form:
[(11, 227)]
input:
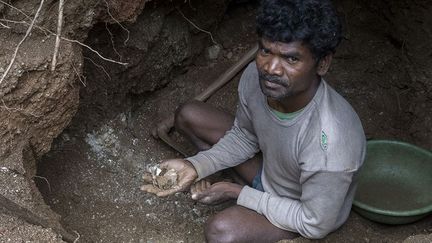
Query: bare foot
[(207, 193)]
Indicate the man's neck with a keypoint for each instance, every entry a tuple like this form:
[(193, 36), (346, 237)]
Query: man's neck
[(294, 103)]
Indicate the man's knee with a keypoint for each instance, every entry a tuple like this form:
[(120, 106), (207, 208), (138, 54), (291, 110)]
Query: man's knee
[(186, 114), (220, 228)]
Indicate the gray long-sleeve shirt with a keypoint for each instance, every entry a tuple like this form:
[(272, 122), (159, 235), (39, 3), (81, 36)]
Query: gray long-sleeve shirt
[(309, 162)]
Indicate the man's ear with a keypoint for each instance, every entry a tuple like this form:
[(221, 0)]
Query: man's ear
[(324, 64)]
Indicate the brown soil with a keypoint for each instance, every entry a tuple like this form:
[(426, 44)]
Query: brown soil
[(36, 104), (94, 167)]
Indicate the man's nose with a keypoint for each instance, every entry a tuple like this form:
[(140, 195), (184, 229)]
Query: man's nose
[(274, 66)]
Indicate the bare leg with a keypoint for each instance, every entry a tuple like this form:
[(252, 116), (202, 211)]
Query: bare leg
[(204, 125), (239, 224)]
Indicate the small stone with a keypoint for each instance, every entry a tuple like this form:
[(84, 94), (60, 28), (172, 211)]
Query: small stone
[(166, 180), (197, 212), (65, 137), (229, 55), (161, 178), (212, 52), (123, 117), (149, 202), (151, 215)]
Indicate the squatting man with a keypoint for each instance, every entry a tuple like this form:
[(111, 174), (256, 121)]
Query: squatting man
[(296, 143)]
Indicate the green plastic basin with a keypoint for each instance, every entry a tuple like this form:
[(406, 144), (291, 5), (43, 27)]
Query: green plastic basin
[(395, 183)]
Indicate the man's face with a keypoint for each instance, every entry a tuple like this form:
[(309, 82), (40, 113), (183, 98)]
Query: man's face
[(285, 69)]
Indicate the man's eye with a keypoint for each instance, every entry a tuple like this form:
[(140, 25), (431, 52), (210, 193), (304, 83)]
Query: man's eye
[(291, 59), (264, 51)]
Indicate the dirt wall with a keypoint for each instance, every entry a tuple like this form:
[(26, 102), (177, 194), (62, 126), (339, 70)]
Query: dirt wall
[(36, 104), (160, 44), (408, 26), (394, 94)]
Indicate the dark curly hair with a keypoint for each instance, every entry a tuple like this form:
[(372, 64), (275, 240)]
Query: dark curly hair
[(313, 22)]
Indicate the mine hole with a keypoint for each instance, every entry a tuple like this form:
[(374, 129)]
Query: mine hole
[(91, 176)]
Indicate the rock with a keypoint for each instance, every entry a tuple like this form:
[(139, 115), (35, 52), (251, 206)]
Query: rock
[(162, 178), (166, 180), (229, 55), (197, 212), (212, 52)]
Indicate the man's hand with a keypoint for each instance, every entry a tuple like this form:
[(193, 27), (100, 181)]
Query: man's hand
[(207, 193), (186, 176)]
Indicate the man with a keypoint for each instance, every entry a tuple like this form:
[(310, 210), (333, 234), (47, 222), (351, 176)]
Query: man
[(296, 143)]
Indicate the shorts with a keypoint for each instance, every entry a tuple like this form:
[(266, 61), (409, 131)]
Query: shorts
[(256, 183)]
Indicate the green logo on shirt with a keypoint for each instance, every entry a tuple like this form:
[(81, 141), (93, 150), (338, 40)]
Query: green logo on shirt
[(324, 140)]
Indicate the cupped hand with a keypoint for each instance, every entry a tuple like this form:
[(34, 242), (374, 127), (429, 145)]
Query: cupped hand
[(186, 176), (207, 193)]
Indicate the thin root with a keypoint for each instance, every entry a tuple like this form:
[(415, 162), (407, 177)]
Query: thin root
[(45, 31), (194, 25), (23, 22), (99, 66), (4, 26), (22, 40), (118, 22), (112, 40), (20, 110), (94, 51), (15, 8), (59, 29), (78, 75), (76, 240)]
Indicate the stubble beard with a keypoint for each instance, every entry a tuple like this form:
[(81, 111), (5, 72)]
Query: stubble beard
[(273, 94)]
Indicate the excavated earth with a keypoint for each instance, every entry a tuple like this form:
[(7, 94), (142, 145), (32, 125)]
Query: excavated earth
[(74, 142)]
